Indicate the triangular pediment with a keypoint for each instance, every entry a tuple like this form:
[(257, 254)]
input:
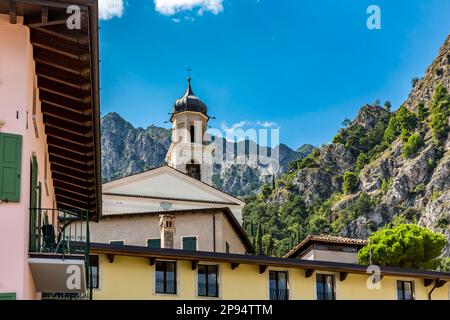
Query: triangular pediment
[(167, 183)]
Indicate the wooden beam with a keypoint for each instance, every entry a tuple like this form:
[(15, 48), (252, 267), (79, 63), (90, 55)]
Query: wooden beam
[(72, 93), (67, 136), (85, 196), (12, 12), (63, 113), (427, 282), (80, 128), (234, 265), (262, 269), (79, 35), (68, 154), (343, 276), (65, 35), (44, 14), (58, 45), (48, 23), (440, 283), (72, 188), (58, 60), (71, 172), (62, 76), (63, 90), (73, 203), (68, 163), (309, 273), (68, 145), (194, 264), (72, 181), (152, 261), (110, 258), (61, 101)]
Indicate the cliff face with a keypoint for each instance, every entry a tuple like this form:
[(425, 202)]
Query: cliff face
[(127, 150), (414, 188)]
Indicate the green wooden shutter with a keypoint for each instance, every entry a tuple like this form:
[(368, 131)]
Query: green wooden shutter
[(10, 166), (154, 243), (8, 296), (190, 243)]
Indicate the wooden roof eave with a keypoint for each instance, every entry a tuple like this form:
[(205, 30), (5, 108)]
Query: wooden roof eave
[(175, 254), (67, 63)]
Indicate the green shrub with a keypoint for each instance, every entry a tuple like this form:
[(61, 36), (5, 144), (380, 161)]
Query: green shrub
[(419, 188), (350, 182), (440, 101), (412, 146), (422, 112), (361, 161), (439, 127), (386, 184)]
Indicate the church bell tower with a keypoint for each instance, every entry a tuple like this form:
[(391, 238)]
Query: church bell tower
[(189, 152)]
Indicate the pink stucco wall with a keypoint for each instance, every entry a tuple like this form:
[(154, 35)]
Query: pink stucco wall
[(17, 79)]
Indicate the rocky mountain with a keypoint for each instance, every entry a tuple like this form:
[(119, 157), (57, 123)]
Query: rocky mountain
[(383, 167), (127, 150)]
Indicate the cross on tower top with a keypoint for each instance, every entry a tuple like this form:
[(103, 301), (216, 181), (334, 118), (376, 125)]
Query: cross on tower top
[(189, 69)]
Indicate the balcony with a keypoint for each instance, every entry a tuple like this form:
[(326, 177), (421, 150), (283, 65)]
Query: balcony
[(59, 252), (279, 294)]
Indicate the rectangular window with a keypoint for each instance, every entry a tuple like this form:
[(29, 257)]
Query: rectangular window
[(207, 281), (93, 265), (165, 277), (10, 166), (154, 243), (227, 247), (117, 242), (278, 285), (192, 132), (190, 243), (325, 287), (405, 290)]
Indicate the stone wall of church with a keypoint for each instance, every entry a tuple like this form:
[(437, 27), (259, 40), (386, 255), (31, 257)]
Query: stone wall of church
[(136, 230)]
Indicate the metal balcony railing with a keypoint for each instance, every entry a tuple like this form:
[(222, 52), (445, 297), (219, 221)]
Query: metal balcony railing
[(59, 231), (325, 296), (62, 232), (165, 286), (207, 290), (279, 294)]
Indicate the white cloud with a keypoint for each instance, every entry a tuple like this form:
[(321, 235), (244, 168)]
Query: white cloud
[(109, 9), (171, 7), (176, 20)]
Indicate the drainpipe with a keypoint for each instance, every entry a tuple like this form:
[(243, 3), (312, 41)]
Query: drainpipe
[(437, 284), (214, 231)]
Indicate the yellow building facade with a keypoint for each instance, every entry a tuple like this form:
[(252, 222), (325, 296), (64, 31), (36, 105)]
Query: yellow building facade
[(131, 273)]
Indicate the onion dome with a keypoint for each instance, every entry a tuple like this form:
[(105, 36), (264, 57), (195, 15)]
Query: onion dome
[(189, 102)]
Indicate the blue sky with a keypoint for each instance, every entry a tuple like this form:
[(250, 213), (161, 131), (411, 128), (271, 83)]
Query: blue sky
[(302, 65)]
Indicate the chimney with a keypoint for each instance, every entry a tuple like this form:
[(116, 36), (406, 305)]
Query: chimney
[(167, 229)]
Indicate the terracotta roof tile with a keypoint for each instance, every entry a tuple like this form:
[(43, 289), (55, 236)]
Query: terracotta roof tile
[(324, 239)]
